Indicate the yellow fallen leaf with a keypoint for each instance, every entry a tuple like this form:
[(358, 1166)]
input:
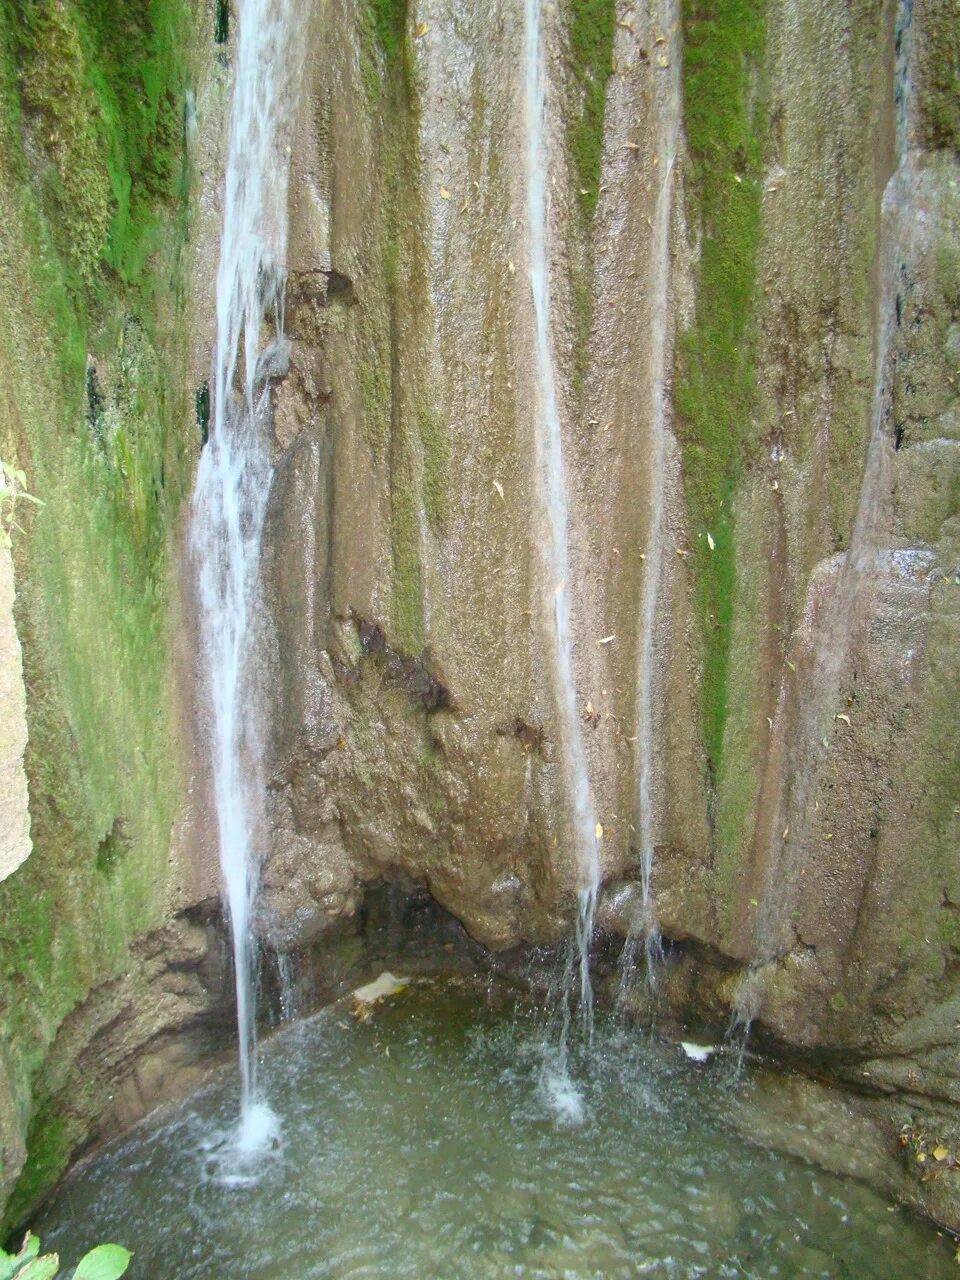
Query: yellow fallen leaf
[(940, 1153), (607, 639), (754, 902), (444, 193), (464, 207), (421, 30), (510, 267), (499, 488), (589, 710), (828, 836), (599, 831), (663, 61), (710, 542), (770, 722), (790, 665), (631, 146), (845, 719)]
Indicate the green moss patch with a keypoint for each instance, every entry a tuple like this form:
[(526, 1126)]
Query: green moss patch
[(96, 410), (716, 357)]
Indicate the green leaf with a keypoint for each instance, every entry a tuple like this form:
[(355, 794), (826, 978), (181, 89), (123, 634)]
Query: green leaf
[(10, 1265), (30, 1247), (106, 1262), (44, 1268)]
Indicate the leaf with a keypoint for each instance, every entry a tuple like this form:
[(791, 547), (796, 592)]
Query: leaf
[(421, 30), (940, 1153), (444, 193), (790, 665), (106, 1262), (10, 1265), (607, 639), (510, 267), (30, 1247), (710, 542), (499, 488), (845, 719), (44, 1268), (598, 832)]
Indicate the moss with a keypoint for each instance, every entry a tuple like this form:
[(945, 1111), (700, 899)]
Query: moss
[(435, 450), (399, 422), (384, 48), (50, 1147), (93, 205), (101, 88), (939, 78), (838, 1002), (406, 595), (716, 376), (592, 29)]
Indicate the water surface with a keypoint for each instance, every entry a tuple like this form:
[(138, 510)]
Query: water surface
[(435, 1141)]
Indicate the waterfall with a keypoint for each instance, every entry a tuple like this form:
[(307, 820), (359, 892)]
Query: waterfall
[(659, 294), (554, 495), (233, 481)]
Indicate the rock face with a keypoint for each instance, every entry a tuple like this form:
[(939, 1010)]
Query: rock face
[(789, 362), (803, 808)]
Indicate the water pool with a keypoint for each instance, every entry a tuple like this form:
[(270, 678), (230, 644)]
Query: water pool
[(440, 1139)]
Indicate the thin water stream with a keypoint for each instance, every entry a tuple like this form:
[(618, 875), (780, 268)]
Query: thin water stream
[(424, 1143), (554, 495)]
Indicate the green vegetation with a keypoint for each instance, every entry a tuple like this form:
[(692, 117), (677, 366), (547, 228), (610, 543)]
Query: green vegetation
[(435, 447), (105, 1262), (384, 45), (13, 489), (940, 75), (716, 379), (591, 35), (593, 25), (399, 421), (92, 348)]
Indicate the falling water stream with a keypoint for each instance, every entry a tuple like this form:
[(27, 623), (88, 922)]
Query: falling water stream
[(233, 480), (554, 493)]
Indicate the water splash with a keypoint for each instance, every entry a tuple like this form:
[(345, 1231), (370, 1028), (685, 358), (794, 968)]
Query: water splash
[(554, 493), (659, 293), (233, 481)]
